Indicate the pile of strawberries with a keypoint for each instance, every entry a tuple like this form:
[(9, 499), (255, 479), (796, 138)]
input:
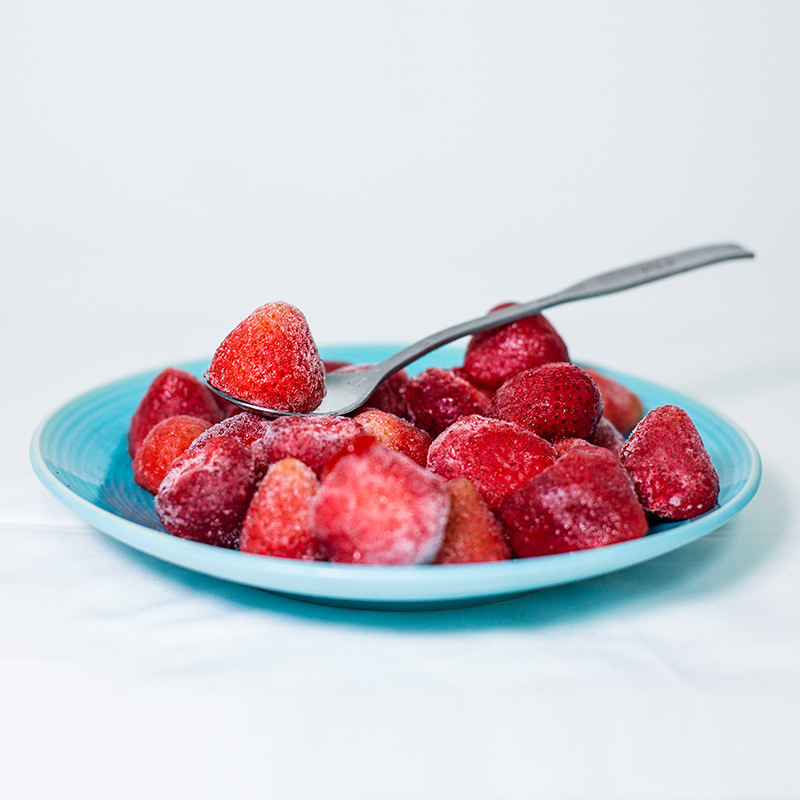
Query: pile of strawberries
[(516, 453)]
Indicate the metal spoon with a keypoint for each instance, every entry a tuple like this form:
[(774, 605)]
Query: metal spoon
[(346, 391)]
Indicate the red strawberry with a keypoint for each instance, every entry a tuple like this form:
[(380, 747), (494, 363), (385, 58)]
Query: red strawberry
[(312, 440), (277, 520), (473, 534), (271, 359), (497, 456), (244, 426), (437, 397), (396, 434), (172, 392), (670, 466), (584, 500), (555, 401), (621, 405), (379, 507), (389, 395), (495, 355), (165, 441), (205, 493)]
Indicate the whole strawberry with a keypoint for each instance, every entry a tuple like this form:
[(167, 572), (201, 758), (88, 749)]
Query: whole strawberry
[(396, 433), (670, 465), (312, 439), (497, 456), (584, 500), (205, 494), (270, 359), (495, 355), (277, 520), (621, 405), (438, 397), (473, 534), (172, 392), (165, 441), (556, 401)]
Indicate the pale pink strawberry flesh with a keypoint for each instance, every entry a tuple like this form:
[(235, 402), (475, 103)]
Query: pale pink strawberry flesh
[(379, 507)]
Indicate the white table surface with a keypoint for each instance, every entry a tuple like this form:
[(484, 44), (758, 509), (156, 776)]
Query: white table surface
[(390, 169)]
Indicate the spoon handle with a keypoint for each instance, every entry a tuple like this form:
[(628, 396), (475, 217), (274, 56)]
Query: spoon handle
[(606, 283)]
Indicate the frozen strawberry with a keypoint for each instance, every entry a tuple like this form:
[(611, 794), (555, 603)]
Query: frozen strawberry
[(495, 355), (497, 456), (389, 395), (331, 366), (245, 426), (379, 507), (205, 494), (437, 397), (473, 533), (606, 435), (277, 521), (564, 445), (396, 434), (584, 500), (164, 442), (555, 401), (482, 387), (312, 440), (622, 406), (172, 392), (670, 466), (270, 359)]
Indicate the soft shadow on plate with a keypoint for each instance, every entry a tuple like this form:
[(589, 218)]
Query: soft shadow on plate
[(80, 455)]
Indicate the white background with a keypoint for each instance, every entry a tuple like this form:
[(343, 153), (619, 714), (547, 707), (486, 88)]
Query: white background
[(392, 168)]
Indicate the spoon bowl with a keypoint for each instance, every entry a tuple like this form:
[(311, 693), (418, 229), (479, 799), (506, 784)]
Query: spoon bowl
[(347, 391)]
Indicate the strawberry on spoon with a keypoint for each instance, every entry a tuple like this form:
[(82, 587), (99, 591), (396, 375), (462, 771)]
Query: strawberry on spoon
[(345, 391)]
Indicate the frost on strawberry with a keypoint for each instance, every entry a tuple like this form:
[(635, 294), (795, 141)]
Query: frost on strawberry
[(495, 355), (377, 506), (497, 456), (277, 522), (314, 440), (396, 434), (584, 500), (205, 494), (438, 397), (670, 465), (270, 359)]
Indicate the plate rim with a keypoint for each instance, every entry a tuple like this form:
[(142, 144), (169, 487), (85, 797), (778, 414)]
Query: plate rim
[(399, 586)]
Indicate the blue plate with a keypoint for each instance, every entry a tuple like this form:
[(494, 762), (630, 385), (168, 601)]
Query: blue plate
[(80, 455)]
